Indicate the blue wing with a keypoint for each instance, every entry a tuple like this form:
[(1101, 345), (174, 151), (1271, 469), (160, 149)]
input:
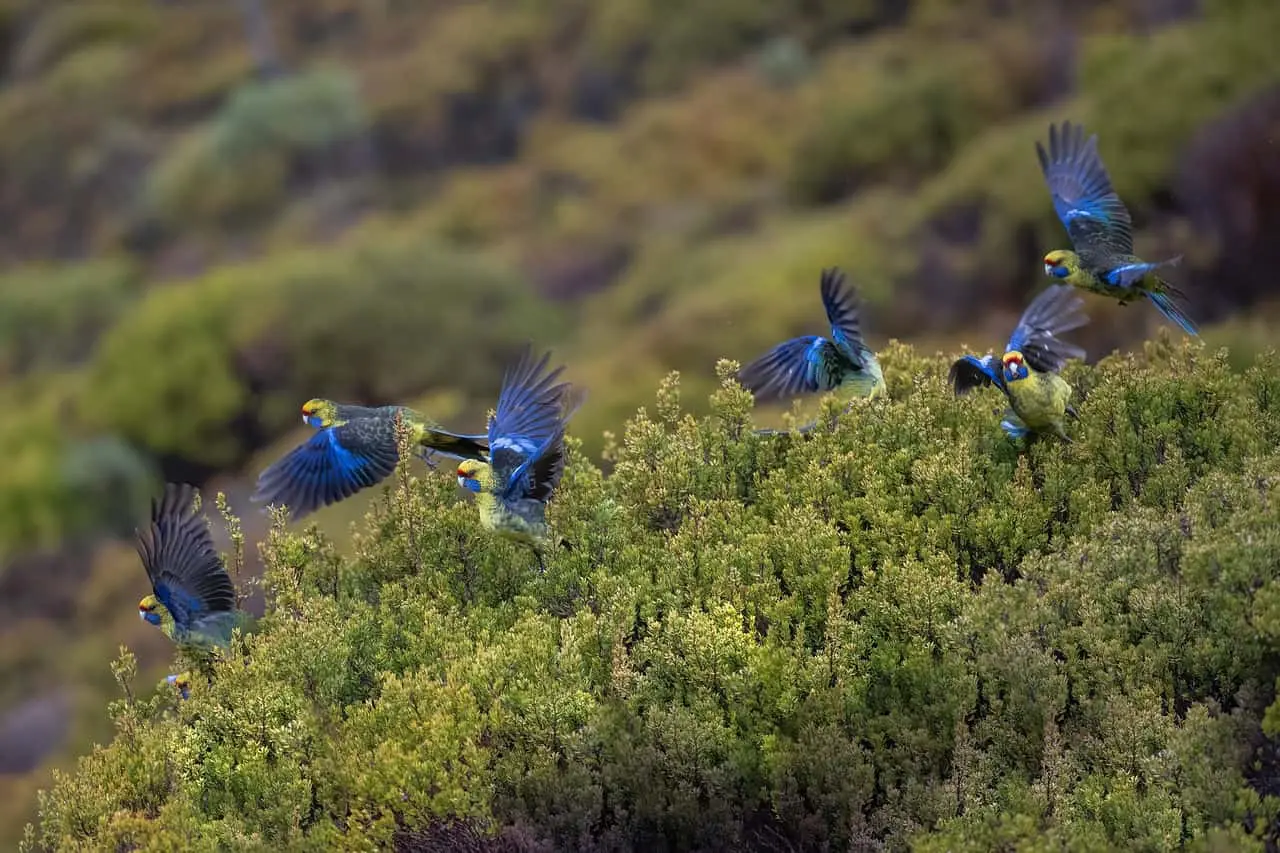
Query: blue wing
[(333, 464), (1094, 216), (969, 372), (1055, 310), (841, 304), (537, 473), (177, 551), (1014, 426), (529, 405), (803, 365), (527, 428)]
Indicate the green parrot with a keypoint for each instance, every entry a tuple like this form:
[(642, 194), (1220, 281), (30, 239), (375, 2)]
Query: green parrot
[(354, 448), (1100, 228), (526, 438), (192, 600), (1039, 398), (813, 364)]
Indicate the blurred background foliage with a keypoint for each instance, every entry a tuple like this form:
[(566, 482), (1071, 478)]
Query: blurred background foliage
[(217, 210)]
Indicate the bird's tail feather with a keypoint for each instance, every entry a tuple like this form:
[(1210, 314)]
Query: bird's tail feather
[(458, 445), (1165, 303)]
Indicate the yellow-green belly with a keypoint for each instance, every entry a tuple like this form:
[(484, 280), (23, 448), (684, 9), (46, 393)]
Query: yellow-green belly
[(1040, 400)]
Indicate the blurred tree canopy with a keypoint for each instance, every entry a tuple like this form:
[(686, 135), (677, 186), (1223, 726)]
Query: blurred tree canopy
[(900, 632)]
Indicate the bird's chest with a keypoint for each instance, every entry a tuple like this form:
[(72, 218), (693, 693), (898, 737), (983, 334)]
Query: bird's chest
[(1033, 399)]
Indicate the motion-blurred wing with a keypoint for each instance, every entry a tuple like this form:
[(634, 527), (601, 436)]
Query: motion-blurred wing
[(841, 303), (332, 465), (1014, 426), (177, 552), (537, 474), (804, 365), (1094, 216), (529, 407), (1037, 336), (969, 372)]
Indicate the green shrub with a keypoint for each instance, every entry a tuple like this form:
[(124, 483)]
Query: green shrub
[(66, 28), (34, 500), (238, 163), (903, 118), (51, 315), (900, 631)]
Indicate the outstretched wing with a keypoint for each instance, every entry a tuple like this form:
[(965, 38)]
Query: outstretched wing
[(1094, 216), (969, 372), (529, 409), (841, 303), (177, 552), (1037, 336), (333, 464), (538, 473), (804, 365)]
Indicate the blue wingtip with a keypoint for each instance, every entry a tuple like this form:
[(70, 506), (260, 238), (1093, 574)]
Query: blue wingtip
[(1013, 430), (1166, 306)]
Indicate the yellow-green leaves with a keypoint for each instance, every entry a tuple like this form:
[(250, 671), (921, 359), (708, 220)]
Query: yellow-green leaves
[(899, 629)]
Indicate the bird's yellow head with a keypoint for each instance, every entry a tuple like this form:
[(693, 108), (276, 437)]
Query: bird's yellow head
[(1015, 367), (1059, 263), (472, 474), (151, 610), (318, 413)]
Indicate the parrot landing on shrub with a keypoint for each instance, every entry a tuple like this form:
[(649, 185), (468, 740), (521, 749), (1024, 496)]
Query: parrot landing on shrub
[(1039, 398), (180, 682), (526, 443), (192, 600), (1100, 228), (355, 447), (813, 364)]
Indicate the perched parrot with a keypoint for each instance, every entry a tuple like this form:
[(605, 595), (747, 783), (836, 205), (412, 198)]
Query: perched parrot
[(181, 682), (526, 439), (813, 364), (1100, 229), (1039, 398), (193, 600), (354, 448)]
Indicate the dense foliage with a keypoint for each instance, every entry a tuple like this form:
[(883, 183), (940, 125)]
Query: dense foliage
[(901, 630), (380, 200)]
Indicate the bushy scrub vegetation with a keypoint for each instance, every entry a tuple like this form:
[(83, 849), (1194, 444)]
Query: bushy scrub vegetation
[(904, 629), (192, 246)]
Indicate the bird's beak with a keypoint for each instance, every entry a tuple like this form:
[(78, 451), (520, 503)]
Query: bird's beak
[(142, 614), (308, 423), (1048, 269)]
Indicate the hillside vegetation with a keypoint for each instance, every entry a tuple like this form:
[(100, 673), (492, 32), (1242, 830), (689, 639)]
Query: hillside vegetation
[(900, 631), (208, 221)]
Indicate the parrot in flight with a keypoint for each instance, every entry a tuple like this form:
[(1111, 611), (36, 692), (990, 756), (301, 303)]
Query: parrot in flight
[(1027, 373), (192, 600), (813, 364), (354, 447), (526, 444), (1100, 229)]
